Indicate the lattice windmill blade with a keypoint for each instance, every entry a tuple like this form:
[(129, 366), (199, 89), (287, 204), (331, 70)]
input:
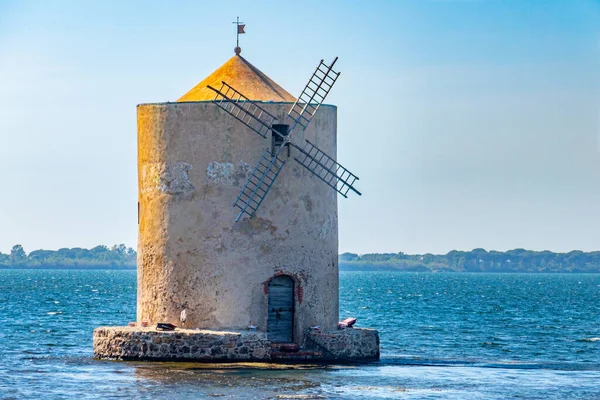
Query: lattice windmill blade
[(258, 184), (326, 168), (243, 109), (313, 95)]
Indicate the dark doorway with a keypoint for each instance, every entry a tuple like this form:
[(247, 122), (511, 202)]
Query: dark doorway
[(280, 324)]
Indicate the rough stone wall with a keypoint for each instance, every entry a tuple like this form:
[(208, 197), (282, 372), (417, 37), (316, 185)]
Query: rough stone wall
[(352, 344), (126, 343), (131, 343), (193, 159)]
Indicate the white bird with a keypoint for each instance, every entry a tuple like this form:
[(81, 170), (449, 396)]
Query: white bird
[(183, 317)]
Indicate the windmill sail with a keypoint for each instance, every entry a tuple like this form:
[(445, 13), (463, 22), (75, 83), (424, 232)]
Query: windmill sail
[(243, 109), (262, 122), (258, 184), (313, 95), (326, 168)]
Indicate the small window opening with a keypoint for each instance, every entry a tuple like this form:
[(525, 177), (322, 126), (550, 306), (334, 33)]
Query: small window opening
[(277, 140)]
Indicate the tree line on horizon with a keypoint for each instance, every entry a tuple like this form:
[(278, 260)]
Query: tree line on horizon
[(477, 260), (100, 257)]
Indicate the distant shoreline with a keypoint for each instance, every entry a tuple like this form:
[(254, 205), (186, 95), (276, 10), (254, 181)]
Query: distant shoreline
[(91, 267), (477, 260), (342, 268), (450, 271), (120, 257)]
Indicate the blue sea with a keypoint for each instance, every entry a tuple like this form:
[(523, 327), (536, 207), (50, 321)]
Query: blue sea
[(443, 336)]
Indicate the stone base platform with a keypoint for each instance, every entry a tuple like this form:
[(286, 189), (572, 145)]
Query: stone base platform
[(135, 343), (350, 344)]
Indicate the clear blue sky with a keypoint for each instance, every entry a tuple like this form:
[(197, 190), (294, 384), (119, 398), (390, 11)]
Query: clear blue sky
[(470, 123)]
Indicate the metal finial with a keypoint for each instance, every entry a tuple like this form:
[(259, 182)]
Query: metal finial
[(240, 30)]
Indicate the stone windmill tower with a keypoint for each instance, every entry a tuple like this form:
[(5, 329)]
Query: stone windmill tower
[(234, 267)]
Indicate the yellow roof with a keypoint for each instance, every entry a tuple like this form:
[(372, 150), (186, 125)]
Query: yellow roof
[(242, 76)]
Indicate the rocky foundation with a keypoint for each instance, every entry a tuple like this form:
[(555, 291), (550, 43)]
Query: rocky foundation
[(133, 343), (350, 344)]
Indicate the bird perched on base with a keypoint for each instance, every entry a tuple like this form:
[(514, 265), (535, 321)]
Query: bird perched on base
[(183, 317)]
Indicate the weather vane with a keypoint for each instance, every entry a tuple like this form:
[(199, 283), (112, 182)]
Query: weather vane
[(240, 30)]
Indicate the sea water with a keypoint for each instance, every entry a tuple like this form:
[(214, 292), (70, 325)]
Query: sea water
[(443, 336)]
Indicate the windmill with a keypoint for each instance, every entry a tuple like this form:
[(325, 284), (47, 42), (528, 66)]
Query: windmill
[(271, 163)]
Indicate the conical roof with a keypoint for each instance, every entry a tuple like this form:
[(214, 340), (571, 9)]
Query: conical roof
[(242, 76)]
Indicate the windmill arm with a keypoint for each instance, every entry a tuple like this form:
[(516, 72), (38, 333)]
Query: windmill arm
[(259, 183), (326, 168), (313, 94), (243, 109)]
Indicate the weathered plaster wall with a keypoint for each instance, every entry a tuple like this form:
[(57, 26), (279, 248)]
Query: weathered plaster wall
[(193, 159)]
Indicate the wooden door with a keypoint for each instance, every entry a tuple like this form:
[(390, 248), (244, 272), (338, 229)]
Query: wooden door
[(280, 324)]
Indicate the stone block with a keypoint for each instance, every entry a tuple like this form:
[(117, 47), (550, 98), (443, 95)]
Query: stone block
[(131, 343), (345, 345)]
